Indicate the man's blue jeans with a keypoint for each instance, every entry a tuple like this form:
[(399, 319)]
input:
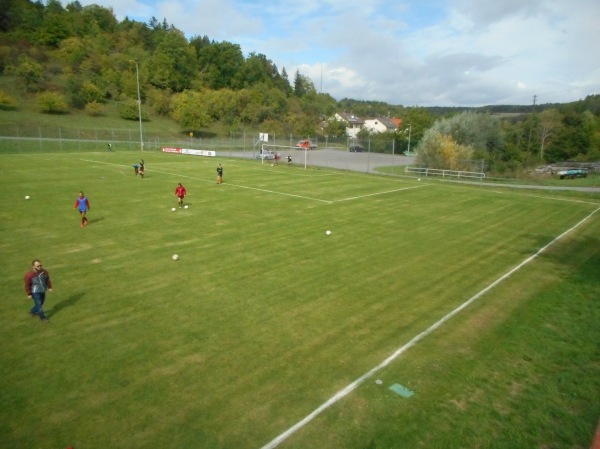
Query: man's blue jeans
[(38, 303)]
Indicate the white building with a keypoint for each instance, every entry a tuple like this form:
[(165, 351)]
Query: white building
[(379, 125), (353, 123)]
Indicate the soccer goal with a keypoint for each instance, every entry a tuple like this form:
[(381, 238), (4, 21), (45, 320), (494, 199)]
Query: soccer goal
[(278, 154)]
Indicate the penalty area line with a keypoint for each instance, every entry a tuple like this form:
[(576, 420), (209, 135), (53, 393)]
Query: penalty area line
[(377, 193), (352, 386), (228, 184)]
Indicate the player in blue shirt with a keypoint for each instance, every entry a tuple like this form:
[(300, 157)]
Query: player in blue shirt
[(83, 204)]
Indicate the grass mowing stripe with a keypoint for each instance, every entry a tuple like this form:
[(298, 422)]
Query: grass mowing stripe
[(352, 386)]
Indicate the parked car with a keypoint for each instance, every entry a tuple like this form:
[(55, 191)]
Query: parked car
[(266, 155), (356, 148), (573, 173), (306, 144)]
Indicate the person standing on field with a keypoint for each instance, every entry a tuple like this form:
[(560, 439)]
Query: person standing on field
[(110, 147), (83, 204), (141, 169), (37, 283), (219, 174), (180, 193)]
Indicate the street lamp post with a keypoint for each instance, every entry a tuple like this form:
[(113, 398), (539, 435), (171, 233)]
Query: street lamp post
[(137, 76), (409, 132)]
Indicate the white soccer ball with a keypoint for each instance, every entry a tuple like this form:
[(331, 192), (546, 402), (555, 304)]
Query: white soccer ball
[(26, 197), (186, 206), (328, 232), (175, 257), (419, 179), (173, 209)]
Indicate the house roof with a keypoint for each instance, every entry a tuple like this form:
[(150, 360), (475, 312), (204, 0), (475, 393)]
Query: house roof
[(397, 121), (387, 122), (351, 118)]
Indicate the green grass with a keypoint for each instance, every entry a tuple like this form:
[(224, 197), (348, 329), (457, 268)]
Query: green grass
[(264, 318)]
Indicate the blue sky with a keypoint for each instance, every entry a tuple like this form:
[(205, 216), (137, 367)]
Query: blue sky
[(406, 52)]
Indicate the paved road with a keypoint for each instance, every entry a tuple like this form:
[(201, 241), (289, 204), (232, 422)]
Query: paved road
[(368, 163), (333, 158)]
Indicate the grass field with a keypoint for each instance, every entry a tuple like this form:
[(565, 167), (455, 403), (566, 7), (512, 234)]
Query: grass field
[(265, 318)]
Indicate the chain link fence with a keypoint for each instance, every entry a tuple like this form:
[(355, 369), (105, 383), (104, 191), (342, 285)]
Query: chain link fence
[(20, 138), (330, 152)]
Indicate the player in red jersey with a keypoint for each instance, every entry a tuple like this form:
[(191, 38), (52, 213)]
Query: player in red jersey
[(180, 193)]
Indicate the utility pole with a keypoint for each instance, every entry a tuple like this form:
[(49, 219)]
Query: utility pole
[(321, 79), (137, 76), (531, 124)]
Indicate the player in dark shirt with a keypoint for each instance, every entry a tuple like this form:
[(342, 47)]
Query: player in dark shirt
[(37, 283)]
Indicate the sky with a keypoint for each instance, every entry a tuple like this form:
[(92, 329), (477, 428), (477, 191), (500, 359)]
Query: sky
[(406, 52)]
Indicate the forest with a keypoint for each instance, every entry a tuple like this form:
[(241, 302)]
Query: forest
[(77, 59)]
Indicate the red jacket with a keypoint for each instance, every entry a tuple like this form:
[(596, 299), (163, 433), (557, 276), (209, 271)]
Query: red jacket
[(180, 191), (37, 282)]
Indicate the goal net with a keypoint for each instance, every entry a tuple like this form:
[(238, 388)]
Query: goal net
[(280, 153)]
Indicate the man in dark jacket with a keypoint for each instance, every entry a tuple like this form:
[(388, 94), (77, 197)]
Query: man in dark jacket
[(37, 282)]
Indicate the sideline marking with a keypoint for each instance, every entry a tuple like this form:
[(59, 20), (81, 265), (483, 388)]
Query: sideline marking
[(352, 386)]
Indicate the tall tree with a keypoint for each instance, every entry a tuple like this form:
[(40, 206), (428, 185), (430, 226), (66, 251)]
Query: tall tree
[(56, 25), (173, 63), (255, 70), (219, 64), (550, 122), (190, 110), (303, 85)]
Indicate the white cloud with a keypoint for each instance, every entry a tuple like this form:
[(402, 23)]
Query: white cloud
[(435, 53)]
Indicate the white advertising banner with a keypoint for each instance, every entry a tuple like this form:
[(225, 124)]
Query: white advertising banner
[(189, 151)]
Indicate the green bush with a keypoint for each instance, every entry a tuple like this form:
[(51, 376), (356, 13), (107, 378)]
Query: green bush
[(94, 109), (7, 102), (128, 109), (52, 103)]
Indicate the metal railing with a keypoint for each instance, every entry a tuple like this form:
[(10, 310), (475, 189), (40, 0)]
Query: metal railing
[(424, 171)]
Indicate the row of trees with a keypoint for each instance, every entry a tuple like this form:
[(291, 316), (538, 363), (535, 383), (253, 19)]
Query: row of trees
[(556, 134), (82, 57)]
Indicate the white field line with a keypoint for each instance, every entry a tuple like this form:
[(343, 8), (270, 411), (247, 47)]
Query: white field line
[(552, 198), (348, 389), (323, 174), (374, 194), (228, 184)]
